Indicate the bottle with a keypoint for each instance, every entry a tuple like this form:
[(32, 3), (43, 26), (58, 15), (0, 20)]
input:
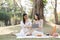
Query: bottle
[(54, 30)]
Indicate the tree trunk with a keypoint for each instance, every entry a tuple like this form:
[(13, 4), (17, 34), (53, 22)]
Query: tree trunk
[(38, 8), (55, 12), (6, 22), (41, 9), (35, 7)]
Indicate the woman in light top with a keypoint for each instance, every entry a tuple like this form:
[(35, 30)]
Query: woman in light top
[(38, 21), (25, 26)]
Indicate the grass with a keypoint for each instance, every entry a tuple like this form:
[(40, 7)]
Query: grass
[(47, 29)]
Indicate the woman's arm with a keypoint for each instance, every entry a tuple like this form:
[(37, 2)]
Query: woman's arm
[(41, 25), (28, 24), (21, 24)]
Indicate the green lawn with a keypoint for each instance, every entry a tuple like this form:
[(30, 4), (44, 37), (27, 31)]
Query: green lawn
[(47, 29), (10, 37)]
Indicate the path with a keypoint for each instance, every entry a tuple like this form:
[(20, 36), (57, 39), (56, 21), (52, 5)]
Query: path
[(7, 30), (52, 24)]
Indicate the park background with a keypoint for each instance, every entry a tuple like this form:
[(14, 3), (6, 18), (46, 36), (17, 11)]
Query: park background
[(11, 12)]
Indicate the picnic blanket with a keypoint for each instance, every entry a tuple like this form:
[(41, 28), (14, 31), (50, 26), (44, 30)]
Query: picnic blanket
[(37, 37)]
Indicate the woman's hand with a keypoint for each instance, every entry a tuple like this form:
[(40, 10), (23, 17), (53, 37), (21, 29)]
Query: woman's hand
[(40, 28), (55, 34), (28, 34)]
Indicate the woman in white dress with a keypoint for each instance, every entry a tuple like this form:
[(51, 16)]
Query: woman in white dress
[(25, 26), (38, 21)]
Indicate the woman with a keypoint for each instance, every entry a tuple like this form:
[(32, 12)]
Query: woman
[(25, 26), (38, 21)]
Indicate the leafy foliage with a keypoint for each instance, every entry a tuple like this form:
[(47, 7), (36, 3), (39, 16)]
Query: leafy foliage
[(44, 2), (4, 16)]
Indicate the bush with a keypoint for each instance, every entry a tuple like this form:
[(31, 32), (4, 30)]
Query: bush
[(4, 16)]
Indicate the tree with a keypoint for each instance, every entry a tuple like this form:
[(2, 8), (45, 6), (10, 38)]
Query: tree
[(55, 12), (4, 17), (38, 7), (41, 9), (35, 7)]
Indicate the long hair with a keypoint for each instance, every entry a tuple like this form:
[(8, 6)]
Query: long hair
[(24, 18), (38, 16)]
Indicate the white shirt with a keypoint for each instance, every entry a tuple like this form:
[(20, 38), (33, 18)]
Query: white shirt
[(27, 24)]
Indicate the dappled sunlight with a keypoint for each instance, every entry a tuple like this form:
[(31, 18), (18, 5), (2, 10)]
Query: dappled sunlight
[(8, 30), (19, 18), (5, 31)]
